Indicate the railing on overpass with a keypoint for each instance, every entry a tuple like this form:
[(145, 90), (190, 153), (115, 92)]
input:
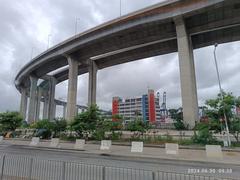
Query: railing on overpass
[(33, 168)]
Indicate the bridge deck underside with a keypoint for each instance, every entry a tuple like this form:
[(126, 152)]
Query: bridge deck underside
[(215, 24)]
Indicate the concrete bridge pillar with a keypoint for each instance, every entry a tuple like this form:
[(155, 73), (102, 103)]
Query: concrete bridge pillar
[(64, 111), (72, 88), (32, 100), (92, 82), (187, 74), (54, 111), (23, 103), (38, 103), (51, 99), (45, 105)]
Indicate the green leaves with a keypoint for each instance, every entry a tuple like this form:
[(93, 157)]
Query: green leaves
[(9, 121), (217, 106), (43, 124), (54, 127), (138, 125), (234, 128), (178, 119), (203, 135), (87, 122)]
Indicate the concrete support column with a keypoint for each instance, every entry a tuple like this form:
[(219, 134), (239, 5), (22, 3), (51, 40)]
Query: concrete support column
[(54, 110), (187, 74), (45, 105), (72, 88), (32, 100), (92, 82), (23, 103), (38, 103), (51, 99), (64, 111)]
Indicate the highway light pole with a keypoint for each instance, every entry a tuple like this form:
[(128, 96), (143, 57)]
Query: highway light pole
[(31, 56), (76, 25), (221, 93), (120, 6), (49, 35)]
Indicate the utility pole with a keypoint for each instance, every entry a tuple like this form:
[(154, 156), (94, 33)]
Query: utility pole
[(221, 93)]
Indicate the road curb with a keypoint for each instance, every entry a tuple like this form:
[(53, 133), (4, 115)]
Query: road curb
[(126, 157), (129, 144)]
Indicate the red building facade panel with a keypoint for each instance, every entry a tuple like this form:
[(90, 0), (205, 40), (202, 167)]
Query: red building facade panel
[(115, 104), (151, 106)]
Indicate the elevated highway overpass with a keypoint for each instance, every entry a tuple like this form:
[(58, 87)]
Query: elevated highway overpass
[(173, 26)]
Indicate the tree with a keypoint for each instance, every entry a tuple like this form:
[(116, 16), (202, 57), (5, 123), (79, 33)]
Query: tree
[(43, 124), (215, 112), (138, 126), (216, 107), (234, 128), (203, 135), (177, 116), (44, 127), (9, 121), (86, 122), (102, 126), (58, 126)]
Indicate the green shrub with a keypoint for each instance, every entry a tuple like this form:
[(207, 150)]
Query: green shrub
[(116, 135), (59, 125), (204, 135), (9, 121), (179, 125), (185, 142), (67, 137), (86, 122)]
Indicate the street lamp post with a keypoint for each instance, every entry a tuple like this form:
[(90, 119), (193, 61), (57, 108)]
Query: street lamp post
[(76, 25), (49, 35), (120, 6), (221, 93), (31, 56)]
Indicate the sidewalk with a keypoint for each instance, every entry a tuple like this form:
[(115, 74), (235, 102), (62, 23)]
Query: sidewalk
[(154, 153)]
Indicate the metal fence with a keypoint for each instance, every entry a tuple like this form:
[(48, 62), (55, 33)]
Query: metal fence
[(15, 167)]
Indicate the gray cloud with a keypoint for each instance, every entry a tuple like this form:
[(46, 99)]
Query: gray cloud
[(26, 24)]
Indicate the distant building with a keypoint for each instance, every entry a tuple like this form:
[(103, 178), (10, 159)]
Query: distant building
[(146, 107)]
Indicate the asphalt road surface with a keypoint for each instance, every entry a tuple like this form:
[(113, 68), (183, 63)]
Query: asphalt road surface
[(209, 169)]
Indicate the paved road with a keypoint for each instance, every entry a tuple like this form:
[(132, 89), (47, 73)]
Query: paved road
[(135, 162)]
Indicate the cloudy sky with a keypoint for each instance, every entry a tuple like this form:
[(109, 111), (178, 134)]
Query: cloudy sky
[(25, 27)]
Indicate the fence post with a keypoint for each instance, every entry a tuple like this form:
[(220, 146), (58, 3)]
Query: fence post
[(153, 175), (3, 162), (30, 170), (64, 170), (103, 173)]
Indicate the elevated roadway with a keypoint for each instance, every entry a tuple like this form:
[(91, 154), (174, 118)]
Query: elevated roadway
[(173, 26)]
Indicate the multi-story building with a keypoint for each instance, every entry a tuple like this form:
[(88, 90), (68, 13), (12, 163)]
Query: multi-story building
[(147, 107)]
